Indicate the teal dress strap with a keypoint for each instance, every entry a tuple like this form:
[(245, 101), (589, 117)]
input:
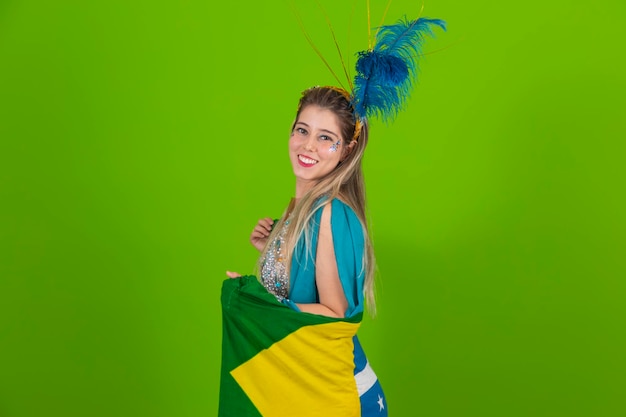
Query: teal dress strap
[(348, 242)]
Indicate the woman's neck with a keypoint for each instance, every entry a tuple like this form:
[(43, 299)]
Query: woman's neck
[(302, 187)]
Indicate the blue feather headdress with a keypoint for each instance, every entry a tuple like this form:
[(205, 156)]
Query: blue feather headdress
[(385, 73)]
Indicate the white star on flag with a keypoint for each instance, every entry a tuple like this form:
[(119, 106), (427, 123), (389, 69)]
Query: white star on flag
[(380, 403)]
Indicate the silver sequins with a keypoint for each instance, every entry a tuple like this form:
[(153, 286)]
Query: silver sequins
[(274, 275)]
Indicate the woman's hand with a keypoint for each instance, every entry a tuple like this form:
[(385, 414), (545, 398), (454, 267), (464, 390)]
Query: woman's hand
[(233, 274), (261, 231)]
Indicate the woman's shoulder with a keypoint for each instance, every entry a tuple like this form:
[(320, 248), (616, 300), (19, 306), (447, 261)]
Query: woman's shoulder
[(338, 213), (340, 216), (336, 205)]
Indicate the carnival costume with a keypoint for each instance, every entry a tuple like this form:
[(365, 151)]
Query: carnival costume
[(276, 360)]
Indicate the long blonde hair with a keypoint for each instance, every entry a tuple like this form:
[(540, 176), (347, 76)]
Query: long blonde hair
[(345, 182)]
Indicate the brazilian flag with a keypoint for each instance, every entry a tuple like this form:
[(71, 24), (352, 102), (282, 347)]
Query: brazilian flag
[(280, 362)]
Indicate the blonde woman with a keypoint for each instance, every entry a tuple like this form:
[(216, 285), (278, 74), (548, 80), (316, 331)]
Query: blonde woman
[(317, 258)]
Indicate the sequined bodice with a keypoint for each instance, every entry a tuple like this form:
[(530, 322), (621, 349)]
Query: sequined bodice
[(274, 272)]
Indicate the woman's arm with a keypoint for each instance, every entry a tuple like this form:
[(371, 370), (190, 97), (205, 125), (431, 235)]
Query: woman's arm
[(333, 301)]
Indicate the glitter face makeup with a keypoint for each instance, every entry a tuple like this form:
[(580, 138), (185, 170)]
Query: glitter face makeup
[(333, 147)]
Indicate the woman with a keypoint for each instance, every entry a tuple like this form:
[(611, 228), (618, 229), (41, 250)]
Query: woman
[(317, 258)]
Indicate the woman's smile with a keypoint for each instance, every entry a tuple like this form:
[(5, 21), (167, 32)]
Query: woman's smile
[(305, 161)]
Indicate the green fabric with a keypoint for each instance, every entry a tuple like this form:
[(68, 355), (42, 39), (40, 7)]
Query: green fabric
[(252, 320)]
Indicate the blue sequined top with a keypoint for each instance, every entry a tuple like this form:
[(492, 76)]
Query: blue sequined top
[(348, 242)]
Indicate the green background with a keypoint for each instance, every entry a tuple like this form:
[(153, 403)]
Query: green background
[(141, 141)]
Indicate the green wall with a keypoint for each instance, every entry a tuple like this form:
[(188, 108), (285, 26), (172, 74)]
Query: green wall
[(140, 142)]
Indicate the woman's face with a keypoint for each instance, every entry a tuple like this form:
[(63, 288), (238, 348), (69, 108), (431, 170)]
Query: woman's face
[(315, 146)]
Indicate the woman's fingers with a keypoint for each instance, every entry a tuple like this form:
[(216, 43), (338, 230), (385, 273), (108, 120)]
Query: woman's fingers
[(233, 274), (265, 225), (260, 231)]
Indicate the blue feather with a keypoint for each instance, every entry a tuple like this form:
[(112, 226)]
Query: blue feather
[(385, 74)]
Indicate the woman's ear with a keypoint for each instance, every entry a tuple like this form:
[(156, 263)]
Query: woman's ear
[(349, 147)]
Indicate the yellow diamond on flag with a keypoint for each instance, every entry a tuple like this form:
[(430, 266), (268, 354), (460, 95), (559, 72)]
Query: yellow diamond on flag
[(324, 353)]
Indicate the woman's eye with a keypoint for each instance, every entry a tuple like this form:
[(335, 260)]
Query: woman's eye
[(324, 137), (301, 131)]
